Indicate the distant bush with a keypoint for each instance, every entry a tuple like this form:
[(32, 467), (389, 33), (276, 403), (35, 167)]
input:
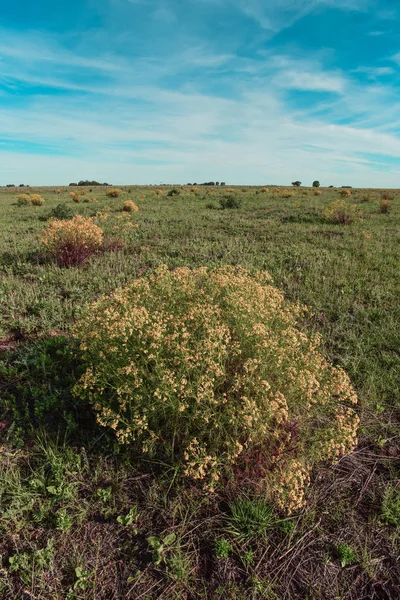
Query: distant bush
[(366, 198), (58, 191), (37, 200), (61, 211), (23, 200), (114, 193), (317, 193), (173, 192), (230, 201), (345, 193), (287, 194), (75, 197), (340, 212), (10, 185), (85, 182), (296, 183), (316, 184), (386, 195), (384, 205), (72, 241), (130, 206), (208, 372)]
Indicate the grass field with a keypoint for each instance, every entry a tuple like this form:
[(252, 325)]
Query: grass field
[(78, 518)]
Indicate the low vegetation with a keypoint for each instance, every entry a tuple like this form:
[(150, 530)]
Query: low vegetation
[(173, 423)]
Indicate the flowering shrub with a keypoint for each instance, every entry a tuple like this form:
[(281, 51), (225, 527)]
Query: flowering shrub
[(75, 197), (72, 241), (37, 200), (341, 212), (130, 206), (207, 370), (114, 193)]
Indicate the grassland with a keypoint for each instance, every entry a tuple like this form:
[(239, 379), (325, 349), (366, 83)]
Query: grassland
[(78, 519)]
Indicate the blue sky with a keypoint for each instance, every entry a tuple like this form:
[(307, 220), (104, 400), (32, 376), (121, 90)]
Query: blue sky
[(242, 91)]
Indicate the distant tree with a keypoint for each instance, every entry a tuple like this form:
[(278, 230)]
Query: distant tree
[(296, 183), (223, 183), (316, 184), (21, 185), (217, 183), (347, 187), (189, 184), (331, 186), (195, 184), (72, 184), (10, 185)]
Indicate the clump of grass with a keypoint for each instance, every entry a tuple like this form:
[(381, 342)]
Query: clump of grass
[(345, 193), (130, 206), (37, 200), (317, 193), (114, 193), (230, 201), (90, 200), (366, 198), (214, 359), (158, 192), (72, 241), (250, 517), (345, 554), (286, 194), (58, 191), (386, 195), (340, 212)]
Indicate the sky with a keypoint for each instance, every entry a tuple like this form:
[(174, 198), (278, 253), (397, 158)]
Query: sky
[(175, 91)]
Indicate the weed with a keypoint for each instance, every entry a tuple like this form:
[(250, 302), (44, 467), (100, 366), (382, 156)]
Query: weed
[(391, 506), (223, 548), (250, 517), (230, 201), (345, 554)]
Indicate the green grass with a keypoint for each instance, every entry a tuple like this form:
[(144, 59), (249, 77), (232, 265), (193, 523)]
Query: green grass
[(76, 513)]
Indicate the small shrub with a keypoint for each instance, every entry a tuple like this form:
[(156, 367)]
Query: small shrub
[(130, 206), (287, 194), (230, 201), (386, 195), (72, 241), (264, 190), (211, 206), (384, 205), (339, 212), (75, 197), (58, 191), (114, 193), (317, 193), (173, 192), (37, 200), (345, 193), (158, 192), (391, 506), (366, 198), (61, 211), (23, 200), (89, 200), (207, 371)]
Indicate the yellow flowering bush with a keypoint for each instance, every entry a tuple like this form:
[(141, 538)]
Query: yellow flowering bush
[(37, 200), (341, 212), (75, 197), (208, 371), (72, 241), (130, 206), (114, 193)]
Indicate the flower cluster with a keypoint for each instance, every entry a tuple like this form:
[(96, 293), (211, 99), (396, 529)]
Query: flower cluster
[(202, 368), (72, 241), (341, 212)]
